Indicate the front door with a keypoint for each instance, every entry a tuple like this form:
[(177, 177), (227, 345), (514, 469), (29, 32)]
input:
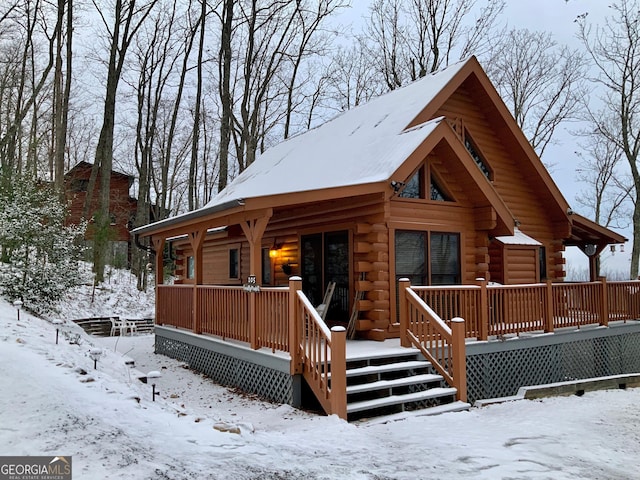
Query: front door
[(325, 258)]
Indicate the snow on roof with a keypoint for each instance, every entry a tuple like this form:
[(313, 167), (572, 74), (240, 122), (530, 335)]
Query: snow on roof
[(364, 145), (518, 238)]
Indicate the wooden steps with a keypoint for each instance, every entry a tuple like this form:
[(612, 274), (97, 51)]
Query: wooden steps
[(406, 398), (456, 406), (396, 383)]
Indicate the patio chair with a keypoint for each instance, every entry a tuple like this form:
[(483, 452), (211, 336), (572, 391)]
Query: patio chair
[(116, 326), (121, 326), (131, 326), (326, 301)]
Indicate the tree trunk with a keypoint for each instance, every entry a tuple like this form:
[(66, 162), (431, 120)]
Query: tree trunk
[(225, 93), (193, 167), (635, 251)]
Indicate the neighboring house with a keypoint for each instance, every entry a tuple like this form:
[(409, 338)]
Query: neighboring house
[(122, 208), (433, 182)]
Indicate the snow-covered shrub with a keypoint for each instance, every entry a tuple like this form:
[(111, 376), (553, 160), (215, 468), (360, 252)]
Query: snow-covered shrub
[(40, 254)]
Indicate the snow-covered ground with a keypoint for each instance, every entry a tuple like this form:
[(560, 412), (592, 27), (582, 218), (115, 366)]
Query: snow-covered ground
[(53, 402)]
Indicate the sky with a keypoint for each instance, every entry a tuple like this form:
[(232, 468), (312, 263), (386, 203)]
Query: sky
[(54, 403), (556, 17)]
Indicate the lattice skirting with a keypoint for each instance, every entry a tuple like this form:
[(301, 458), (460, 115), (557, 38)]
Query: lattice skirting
[(228, 370), (501, 370)]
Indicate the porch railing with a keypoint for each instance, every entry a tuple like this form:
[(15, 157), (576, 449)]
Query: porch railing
[(318, 353), (279, 318), (443, 345), (224, 311), (174, 305), (498, 310)]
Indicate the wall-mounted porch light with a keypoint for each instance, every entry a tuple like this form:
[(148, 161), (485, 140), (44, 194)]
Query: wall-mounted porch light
[(397, 186), (273, 251), (613, 249)]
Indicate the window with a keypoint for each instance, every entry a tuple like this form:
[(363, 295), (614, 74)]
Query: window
[(325, 258), (191, 267), (415, 187), (542, 257), (427, 258), (234, 263), (445, 258), (437, 194), (266, 267), (473, 149), (79, 185)]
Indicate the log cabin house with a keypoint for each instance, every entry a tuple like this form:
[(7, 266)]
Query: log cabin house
[(122, 207), (409, 204)]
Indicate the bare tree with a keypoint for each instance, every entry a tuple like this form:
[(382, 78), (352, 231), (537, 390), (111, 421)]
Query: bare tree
[(224, 89), (388, 45), (62, 92), (22, 79), (351, 79), (615, 50), (541, 82), (128, 17), (308, 42), (410, 39), (195, 136), (608, 190)]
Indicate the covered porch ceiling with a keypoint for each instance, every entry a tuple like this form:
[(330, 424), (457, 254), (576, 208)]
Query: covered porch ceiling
[(591, 239), (586, 232)]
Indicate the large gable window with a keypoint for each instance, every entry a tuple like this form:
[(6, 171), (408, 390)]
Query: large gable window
[(475, 152), (416, 186)]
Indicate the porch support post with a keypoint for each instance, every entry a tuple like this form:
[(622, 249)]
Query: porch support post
[(295, 322), (604, 298), (549, 324), (253, 229), (339, 372), (592, 268), (483, 317), (196, 239), (158, 246), (403, 285), (459, 358)]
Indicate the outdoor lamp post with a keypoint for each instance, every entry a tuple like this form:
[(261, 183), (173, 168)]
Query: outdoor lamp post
[(152, 377), (57, 323), (95, 354), (18, 305)]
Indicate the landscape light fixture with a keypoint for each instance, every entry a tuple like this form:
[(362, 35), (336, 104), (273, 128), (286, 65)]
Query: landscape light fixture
[(18, 305), (95, 354), (57, 323), (153, 376)]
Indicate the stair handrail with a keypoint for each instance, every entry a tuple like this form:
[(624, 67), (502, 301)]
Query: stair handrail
[(319, 353), (443, 346)]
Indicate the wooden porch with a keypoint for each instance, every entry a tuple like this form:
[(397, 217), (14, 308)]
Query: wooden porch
[(281, 321)]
